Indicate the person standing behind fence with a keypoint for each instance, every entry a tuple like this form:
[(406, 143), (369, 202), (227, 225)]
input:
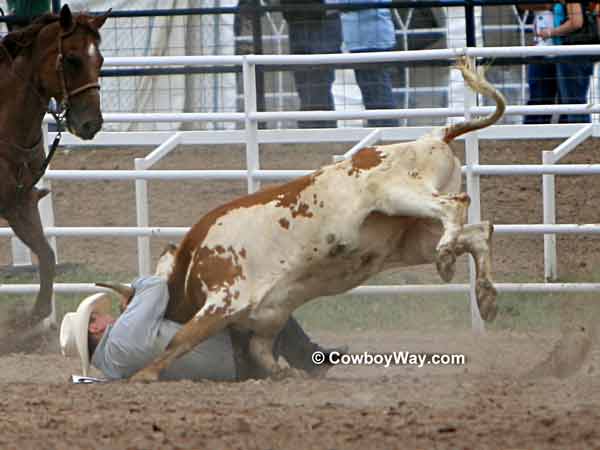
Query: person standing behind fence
[(312, 31), (541, 77), (371, 30), (27, 10), (573, 74)]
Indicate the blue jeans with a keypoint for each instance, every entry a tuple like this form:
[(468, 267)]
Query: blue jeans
[(573, 83), (543, 90), (375, 85), (376, 88), (314, 86)]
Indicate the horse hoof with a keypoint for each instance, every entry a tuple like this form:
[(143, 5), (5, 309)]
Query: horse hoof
[(144, 376), (39, 316), (289, 372)]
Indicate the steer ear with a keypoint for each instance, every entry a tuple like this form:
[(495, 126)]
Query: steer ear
[(66, 18), (98, 21)]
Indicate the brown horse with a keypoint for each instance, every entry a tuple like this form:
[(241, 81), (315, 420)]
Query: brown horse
[(57, 56)]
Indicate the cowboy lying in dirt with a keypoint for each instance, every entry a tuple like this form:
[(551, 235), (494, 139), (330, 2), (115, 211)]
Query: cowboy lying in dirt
[(120, 346)]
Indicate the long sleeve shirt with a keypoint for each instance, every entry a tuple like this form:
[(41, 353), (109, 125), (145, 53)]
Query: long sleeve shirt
[(141, 333)]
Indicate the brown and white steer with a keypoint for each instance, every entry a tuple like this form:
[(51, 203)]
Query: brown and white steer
[(250, 263)]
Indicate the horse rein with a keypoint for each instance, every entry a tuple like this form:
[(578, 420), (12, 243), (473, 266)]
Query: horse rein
[(60, 69)]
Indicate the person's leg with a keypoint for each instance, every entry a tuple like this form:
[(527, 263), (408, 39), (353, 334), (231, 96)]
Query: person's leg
[(542, 90), (376, 87), (292, 343), (314, 90), (245, 367), (573, 83), (314, 86), (297, 348), (242, 29)]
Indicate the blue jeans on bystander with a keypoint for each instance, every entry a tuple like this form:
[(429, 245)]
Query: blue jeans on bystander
[(314, 85), (376, 88), (543, 90), (573, 83)]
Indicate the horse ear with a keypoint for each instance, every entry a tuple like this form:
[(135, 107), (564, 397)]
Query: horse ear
[(66, 18), (98, 21)]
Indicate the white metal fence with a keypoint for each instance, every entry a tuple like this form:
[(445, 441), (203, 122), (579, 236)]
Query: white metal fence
[(252, 137)]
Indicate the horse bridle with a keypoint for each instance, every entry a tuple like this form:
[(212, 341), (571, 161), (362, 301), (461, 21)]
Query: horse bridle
[(60, 70), (60, 113)]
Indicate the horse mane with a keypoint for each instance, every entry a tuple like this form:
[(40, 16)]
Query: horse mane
[(15, 41)]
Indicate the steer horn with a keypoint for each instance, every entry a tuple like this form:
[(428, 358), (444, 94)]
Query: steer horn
[(122, 289)]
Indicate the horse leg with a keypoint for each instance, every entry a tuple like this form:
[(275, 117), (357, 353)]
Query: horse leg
[(25, 221)]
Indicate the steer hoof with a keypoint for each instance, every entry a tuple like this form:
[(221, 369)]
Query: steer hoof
[(486, 299), (289, 372), (144, 376), (446, 264)]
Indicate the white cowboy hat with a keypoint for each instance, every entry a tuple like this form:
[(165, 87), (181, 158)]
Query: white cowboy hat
[(74, 328)]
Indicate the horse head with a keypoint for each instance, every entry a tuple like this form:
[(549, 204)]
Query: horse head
[(70, 62)]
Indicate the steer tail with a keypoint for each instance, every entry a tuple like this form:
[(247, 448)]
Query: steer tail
[(479, 84)]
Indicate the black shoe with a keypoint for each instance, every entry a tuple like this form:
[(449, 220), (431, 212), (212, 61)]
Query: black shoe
[(320, 370)]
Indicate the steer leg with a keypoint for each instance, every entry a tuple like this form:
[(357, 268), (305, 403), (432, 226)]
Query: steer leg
[(205, 323), (261, 349), (454, 216), (25, 221), (419, 247), (450, 210), (477, 240)]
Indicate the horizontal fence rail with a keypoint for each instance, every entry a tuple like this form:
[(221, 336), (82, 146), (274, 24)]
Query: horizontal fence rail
[(73, 288), (178, 232), (344, 115), (293, 136), (354, 58), (274, 175), (166, 232)]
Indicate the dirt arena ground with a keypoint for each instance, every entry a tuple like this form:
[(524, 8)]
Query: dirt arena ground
[(519, 389), (487, 404)]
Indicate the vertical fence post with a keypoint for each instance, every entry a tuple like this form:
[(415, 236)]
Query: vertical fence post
[(143, 219), (456, 39), (251, 125), (549, 206), (474, 216)]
